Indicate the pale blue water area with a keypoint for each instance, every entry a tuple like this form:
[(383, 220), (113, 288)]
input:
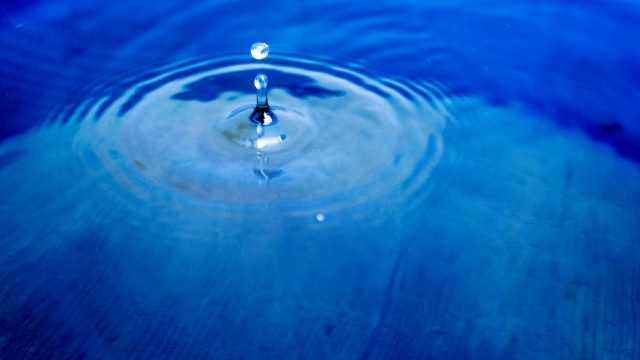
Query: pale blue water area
[(431, 180)]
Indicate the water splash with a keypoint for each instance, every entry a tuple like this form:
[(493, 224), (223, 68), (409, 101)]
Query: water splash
[(210, 162), (262, 114)]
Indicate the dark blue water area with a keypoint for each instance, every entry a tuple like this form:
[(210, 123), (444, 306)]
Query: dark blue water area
[(523, 243)]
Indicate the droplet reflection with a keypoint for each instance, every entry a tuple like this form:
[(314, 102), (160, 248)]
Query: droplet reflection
[(262, 143)]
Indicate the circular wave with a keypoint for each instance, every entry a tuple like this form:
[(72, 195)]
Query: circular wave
[(181, 134)]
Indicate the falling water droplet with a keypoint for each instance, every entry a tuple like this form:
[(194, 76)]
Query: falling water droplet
[(259, 50)]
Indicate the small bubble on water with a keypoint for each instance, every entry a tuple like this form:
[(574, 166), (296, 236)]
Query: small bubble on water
[(320, 217), (259, 50)]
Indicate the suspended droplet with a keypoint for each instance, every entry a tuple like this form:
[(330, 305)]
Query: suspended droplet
[(259, 50)]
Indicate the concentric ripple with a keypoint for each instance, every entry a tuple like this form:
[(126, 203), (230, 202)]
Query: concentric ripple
[(342, 138), (155, 200)]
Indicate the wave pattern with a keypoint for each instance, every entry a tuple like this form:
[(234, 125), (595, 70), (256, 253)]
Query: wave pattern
[(179, 133), (456, 206)]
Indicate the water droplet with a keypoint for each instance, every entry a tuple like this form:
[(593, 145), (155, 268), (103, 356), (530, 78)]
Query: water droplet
[(320, 217), (259, 50)]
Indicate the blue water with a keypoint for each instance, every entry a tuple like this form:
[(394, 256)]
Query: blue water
[(458, 180)]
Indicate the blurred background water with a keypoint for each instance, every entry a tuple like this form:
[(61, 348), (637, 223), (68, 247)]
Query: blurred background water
[(460, 180)]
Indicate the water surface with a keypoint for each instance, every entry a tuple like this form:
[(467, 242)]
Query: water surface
[(457, 180)]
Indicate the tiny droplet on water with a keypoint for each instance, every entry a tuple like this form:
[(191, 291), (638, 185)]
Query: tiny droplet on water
[(259, 50), (260, 81), (320, 217)]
